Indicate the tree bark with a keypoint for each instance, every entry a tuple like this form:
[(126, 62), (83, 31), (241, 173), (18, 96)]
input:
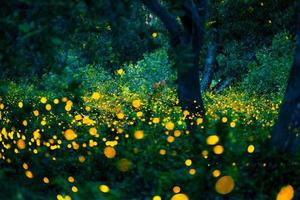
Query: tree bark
[(285, 135), (186, 40), (209, 67)]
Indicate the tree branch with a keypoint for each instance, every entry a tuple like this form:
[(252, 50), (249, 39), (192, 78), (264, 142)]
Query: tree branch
[(162, 13)]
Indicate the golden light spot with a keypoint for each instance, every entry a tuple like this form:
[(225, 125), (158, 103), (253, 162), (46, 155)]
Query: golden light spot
[(36, 113), (139, 134), (232, 124), (180, 196), (71, 179), (139, 114), (177, 133), (136, 103), (21, 144), (218, 149), (124, 165), (170, 126), (188, 162), (81, 159), (78, 117), (120, 72), (170, 139), (156, 120), (48, 107), (56, 101), (216, 173), (162, 152), (93, 131), (25, 166), (154, 34), (25, 123), (70, 134), (46, 180), (96, 96), (176, 189), (120, 115), (250, 148), (286, 193), (192, 171), (104, 188), (156, 197), (199, 121), (29, 174), (74, 189), (224, 185), (43, 100), (212, 139), (20, 104), (224, 119), (110, 152)]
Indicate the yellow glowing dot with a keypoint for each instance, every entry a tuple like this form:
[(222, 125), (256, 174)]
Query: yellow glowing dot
[(250, 148), (177, 133), (192, 171), (154, 34), (136, 103), (78, 117), (212, 139), (28, 174), (25, 123), (216, 173), (36, 113), (96, 96), (224, 119), (93, 131), (46, 180), (56, 101), (74, 189), (120, 115), (139, 114), (156, 197), (286, 193), (25, 166), (176, 189), (20, 104), (81, 159), (170, 126), (70, 134), (48, 107), (43, 100), (104, 188), (110, 152), (120, 72), (199, 121), (162, 152), (232, 124), (71, 179), (224, 185), (139, 134), (21, 144), (180, 196), (156, 120), (124, 165), (188, 162), (170, 139), (218, 149)]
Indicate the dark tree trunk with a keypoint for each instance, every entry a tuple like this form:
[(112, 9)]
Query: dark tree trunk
[(285, 135), (209, 67), (186, 40)]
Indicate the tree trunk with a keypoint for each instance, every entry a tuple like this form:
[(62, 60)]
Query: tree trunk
[(209, 67), (285, 135)]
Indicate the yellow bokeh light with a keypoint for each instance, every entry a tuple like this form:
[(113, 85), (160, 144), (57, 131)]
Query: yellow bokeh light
[(70, 134), (251, 148), (218, 149), (139, 134), (170, 126), (286, 193), (212, 139), (104, 188), (110, 152), (224, 185), (136, 103), (180, 196)]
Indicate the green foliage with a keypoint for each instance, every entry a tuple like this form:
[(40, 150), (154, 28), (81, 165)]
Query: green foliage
[(269, 74)]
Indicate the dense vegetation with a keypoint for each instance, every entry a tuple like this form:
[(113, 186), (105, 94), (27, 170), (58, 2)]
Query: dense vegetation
[(149, 99)]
